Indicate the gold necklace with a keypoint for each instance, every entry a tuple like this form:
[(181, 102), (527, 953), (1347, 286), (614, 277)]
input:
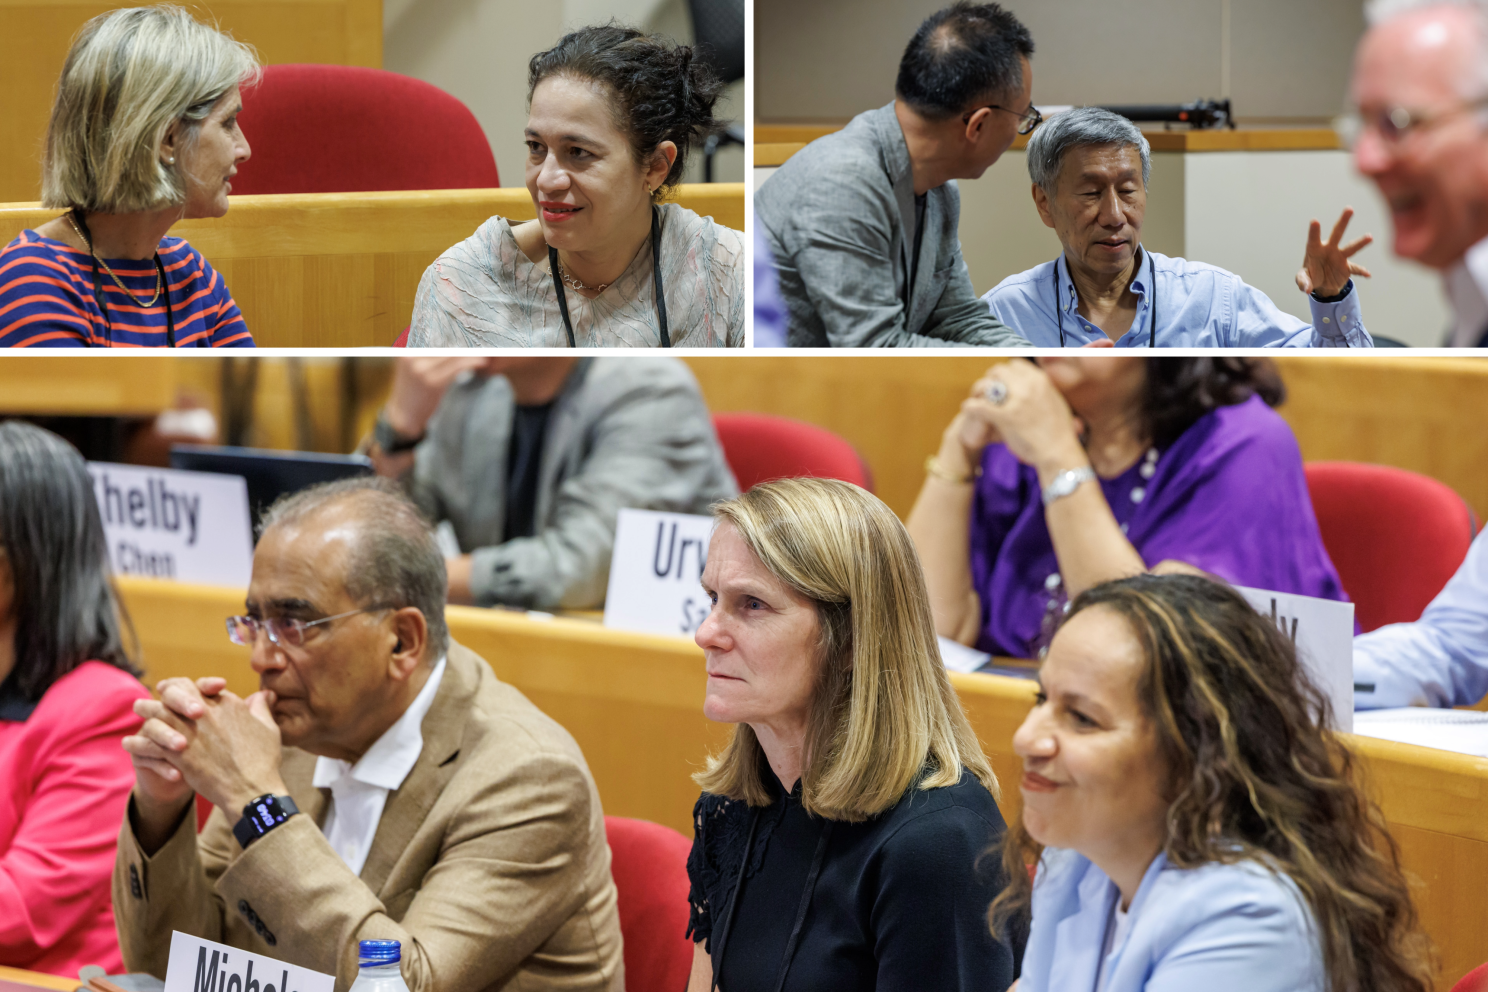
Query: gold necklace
[(84, 238)]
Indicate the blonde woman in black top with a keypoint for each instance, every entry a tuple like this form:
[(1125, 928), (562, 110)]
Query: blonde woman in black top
[(838, 836)]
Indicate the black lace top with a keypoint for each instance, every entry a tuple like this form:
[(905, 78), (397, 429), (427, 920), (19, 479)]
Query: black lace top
[(900, 902)]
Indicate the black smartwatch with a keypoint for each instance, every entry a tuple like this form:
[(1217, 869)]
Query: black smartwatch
[(389, 440), (262, 815)]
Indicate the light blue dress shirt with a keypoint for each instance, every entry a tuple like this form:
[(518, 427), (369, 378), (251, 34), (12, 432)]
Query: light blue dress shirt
[(1218, 928), (1198, 306), (1442, 658)]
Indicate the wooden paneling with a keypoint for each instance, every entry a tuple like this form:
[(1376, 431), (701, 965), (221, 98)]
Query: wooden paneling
[(633, 702), (35, 383), (1413, 413), (37, 33), (1406, 412), (892, 408), (312, 270)]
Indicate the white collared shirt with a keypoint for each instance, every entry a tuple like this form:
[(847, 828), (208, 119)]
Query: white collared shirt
[(1467, 289), (359, 792)]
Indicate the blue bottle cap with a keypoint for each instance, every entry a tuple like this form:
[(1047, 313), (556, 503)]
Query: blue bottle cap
[(371, 953)]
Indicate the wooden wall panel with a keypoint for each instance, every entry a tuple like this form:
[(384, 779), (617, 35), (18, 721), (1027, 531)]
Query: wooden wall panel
[(1413, 413), (36, 383), (35, 35)]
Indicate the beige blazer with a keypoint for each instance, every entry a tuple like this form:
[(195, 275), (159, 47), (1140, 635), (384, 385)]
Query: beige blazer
[(489, 864)]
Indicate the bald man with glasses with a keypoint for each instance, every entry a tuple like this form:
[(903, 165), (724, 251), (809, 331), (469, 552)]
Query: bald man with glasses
[(381, 784), (1420, 132)]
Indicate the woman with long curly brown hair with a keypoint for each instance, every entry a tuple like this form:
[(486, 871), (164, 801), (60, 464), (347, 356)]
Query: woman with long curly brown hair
[(1195, 825)]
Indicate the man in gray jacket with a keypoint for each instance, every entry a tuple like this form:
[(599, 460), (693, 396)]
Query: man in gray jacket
[(862, 223), (530, 460)]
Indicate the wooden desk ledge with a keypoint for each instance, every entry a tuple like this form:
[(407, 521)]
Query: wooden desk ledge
[(38, 979), (775, 143), (286, 224)]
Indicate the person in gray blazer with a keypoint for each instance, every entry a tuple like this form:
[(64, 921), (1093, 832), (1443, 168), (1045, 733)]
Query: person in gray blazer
[(530, 460), (862, 223)]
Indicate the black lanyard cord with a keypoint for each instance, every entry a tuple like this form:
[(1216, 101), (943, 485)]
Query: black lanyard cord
[(795, 936), (1151, 300), (661, 314), (108, 326), (728, 924)]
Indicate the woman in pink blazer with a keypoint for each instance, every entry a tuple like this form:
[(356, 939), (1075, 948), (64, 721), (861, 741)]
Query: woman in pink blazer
[(67, 693)]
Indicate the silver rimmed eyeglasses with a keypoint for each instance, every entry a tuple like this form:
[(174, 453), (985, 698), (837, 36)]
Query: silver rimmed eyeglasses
[(283, 632), (1395, 124)]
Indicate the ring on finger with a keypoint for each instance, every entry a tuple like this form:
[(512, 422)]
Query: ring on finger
[(997, 392)]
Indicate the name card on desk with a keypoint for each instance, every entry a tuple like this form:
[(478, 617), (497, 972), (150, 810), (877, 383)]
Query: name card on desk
[(655, 572), (169, 524), (1323, 632), (199, 965)]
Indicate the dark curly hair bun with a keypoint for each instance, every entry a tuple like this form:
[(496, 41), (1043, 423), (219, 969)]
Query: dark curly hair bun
[(661, 92)]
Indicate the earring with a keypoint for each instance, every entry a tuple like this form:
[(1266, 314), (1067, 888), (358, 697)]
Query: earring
[(171, 160)]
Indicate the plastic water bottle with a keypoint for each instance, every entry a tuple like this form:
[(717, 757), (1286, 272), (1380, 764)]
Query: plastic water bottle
[(380, 969)]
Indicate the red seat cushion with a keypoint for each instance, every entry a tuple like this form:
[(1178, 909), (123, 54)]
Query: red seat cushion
[(347, 129), (760, 448), (1395, 537), (649, 865), (1474, 981)]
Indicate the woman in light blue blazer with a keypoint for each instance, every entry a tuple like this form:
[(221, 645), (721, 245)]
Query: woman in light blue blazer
[(1194, 826)]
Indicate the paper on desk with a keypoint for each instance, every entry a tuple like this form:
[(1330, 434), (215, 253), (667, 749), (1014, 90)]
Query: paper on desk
[(960, 658), (1463, 731)]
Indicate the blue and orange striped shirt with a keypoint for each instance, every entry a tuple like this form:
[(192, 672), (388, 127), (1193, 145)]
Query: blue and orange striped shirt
[(46, 299)]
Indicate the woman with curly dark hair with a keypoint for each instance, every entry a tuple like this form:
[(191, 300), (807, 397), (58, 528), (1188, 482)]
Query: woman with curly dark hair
[(1194, 824), (1059, 476), (608, 262)]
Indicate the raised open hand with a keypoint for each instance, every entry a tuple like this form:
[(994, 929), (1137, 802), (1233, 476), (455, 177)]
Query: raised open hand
[(1326, 268)]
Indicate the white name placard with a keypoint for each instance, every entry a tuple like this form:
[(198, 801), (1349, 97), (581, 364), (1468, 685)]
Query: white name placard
[(198, 965), (168, 524), (655, 570), (1323, 632)]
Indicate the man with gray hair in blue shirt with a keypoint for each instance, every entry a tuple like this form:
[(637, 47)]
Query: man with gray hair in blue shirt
[(1090, 169)]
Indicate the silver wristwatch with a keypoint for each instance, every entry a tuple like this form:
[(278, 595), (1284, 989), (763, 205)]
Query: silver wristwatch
[(1067, 482)]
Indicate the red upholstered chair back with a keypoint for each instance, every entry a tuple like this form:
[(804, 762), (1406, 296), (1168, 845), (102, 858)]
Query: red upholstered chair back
[(1395, 537), (649, 864), (760, 448), (347, 129), (1474, 981)]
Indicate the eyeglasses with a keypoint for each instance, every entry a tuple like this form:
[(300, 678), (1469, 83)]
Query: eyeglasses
[(1396, 124), (1027, 119), (282, 632)]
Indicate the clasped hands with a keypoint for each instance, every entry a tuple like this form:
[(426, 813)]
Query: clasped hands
[(1033, 420), (198, 737)]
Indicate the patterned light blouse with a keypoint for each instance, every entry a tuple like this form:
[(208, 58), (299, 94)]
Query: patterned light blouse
[(486, 293)]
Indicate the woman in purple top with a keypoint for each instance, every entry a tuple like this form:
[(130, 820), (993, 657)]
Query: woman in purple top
[(1058, 476)]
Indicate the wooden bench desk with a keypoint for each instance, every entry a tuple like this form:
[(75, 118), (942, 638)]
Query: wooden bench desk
[(340, 270), (634, 704)]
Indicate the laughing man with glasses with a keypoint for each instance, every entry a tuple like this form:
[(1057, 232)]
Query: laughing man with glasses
[(1420, 131), (862, 224), (382, 783)]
